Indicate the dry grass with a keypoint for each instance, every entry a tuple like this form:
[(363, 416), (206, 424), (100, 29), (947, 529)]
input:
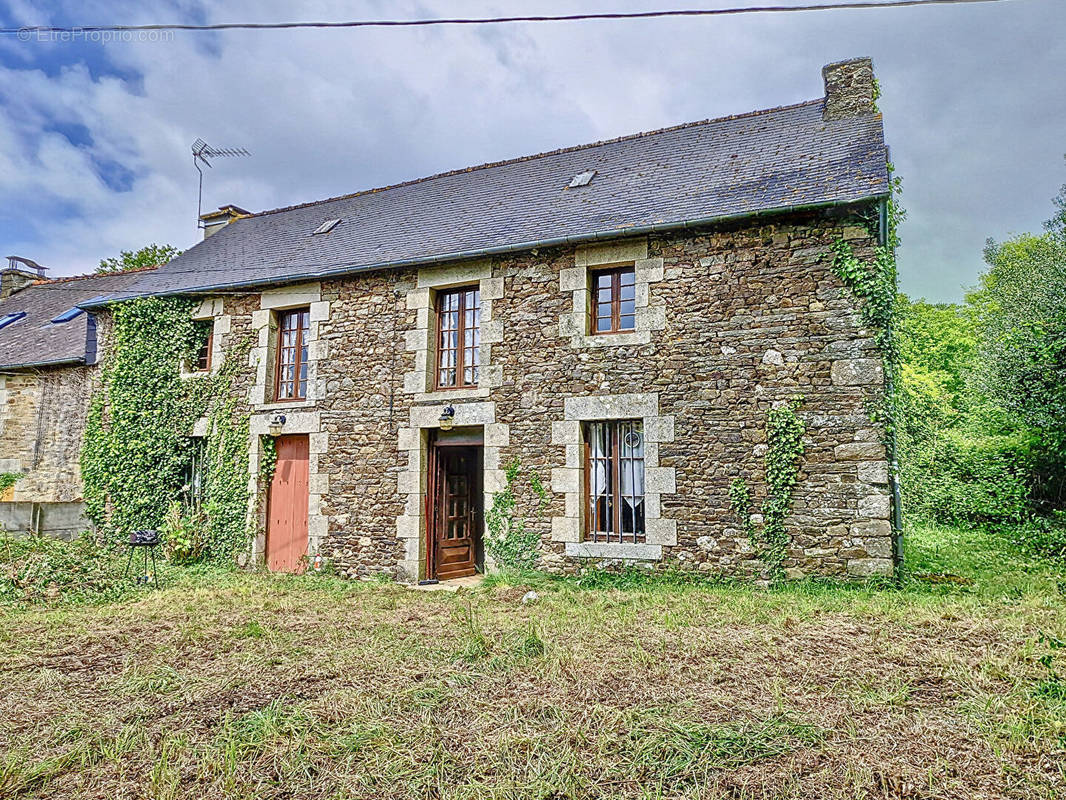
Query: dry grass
[(255, 686)]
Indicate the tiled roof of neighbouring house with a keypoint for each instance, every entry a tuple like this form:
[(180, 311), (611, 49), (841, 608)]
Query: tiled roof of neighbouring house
[(33, 339), (755, 163)]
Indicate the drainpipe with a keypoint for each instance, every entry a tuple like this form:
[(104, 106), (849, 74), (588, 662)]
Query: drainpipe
[(893, 458)]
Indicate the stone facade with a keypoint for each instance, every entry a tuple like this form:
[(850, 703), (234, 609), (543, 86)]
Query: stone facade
[(42, 419), (733, 320)]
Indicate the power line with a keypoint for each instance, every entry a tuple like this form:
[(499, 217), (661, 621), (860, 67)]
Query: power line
[(404, 23)]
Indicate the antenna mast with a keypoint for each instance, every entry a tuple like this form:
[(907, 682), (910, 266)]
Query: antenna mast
[(202, 153)]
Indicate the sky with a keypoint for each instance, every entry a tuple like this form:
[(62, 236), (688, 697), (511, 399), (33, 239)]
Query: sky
[(95, 135)]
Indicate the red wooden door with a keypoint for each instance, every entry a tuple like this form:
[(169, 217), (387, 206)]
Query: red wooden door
[(286, 538), (455, 503)]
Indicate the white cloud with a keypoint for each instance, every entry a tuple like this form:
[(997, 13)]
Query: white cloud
[(969, 99)]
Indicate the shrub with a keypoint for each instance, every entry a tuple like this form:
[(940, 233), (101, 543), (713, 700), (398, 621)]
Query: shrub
[(1043, 536), (37, 569), (958, 477), (184, 534)]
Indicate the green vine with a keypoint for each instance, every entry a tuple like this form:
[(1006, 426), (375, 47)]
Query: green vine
[(7, 480), (876, 287), (509, 542), (784, 440), (268, 459), (137, 447)]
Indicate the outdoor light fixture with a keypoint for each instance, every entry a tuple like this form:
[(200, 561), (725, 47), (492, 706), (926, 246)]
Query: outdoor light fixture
[(277, 422), (447, 418)]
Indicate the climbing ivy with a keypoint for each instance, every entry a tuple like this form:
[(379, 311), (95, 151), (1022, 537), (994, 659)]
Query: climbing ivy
[(509, 542), (784, 447), (136, 440), (268, 459), (136, 448), (875, 286), (7, 480), (784, 439)]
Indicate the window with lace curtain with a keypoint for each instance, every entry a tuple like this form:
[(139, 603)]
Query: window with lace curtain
[(614, 481)]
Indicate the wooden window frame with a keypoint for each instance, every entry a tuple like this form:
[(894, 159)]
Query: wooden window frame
[(461, 329), (209, 344), (615, 535), (616, 299), (298, 350)]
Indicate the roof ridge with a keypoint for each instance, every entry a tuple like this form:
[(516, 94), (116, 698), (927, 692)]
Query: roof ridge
[(520, 159), (70, 278)]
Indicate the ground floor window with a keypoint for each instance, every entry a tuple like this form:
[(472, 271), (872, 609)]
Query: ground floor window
[(194, 474), (614, 481)]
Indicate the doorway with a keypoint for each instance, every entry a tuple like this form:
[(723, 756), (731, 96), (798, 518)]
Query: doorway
[(454, 505), (286, 535)]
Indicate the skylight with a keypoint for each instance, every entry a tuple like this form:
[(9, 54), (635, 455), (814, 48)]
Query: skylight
[(7, 319), (68, 315), (582, 179), (326, 226)]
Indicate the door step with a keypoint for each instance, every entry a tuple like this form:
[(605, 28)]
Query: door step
[(452, 585)]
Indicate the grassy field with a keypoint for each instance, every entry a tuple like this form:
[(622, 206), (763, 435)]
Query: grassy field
[(239, 685)]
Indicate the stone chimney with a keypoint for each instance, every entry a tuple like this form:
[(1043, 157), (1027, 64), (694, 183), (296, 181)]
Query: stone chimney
[(214, 221), (849, 88), (18, 274)]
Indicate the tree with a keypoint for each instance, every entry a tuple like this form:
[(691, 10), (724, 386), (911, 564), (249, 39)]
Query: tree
[(152, 255), (1021, 308), (1057, 224)]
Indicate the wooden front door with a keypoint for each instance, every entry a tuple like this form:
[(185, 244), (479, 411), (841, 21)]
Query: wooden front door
[(455, 511), (286, 538)]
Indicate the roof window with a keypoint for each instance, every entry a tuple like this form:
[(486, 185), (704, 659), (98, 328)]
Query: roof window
[(7, 319), (582, 179), (68, 315), (326, 226)]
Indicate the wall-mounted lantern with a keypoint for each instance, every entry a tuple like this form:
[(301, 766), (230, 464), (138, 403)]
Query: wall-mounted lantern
[(447, 418), (277, 422)]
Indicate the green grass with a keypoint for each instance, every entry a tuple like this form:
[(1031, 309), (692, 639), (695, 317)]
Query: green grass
[(239, 685)]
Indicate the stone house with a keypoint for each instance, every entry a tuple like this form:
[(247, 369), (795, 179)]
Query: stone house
[(48, 360), (617, 318)]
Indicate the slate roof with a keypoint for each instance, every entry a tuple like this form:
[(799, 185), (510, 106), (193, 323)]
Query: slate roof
[(34, 340), (763, 162)]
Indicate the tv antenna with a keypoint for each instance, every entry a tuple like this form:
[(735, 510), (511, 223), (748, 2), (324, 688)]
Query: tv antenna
[(202, 153)]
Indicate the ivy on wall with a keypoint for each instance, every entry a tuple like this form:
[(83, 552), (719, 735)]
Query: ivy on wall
[(784, 448), (510, 543), (875, 285), (136, 449), (7, 480)]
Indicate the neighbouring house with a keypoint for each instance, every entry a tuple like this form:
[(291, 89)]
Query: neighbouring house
[(48, 362), (618, 318)]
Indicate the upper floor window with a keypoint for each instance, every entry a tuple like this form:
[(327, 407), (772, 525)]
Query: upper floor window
[(614, 478), (459, 337), (205, 336), (614, 300), (293, 328)]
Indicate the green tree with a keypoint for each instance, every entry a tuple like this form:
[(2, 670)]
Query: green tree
[(152, 255), (963, 460), (1022, 308), (1057, 224)]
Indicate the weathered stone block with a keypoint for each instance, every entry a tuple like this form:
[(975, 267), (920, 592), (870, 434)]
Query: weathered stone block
[(869, 567), (873, 472), (857, 372), (871, 528), (859, 450), (876, 506)]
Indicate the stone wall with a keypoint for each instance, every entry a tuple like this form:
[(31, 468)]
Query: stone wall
[(734, 320), (42, 419)]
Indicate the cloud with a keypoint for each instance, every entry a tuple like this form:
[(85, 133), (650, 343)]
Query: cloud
[(94, 138)]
